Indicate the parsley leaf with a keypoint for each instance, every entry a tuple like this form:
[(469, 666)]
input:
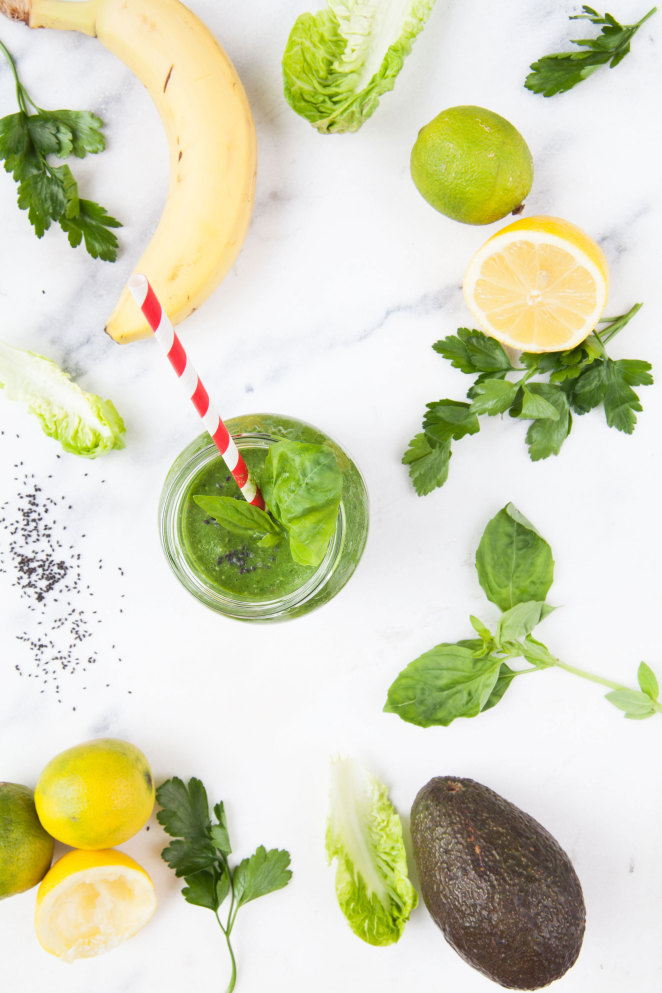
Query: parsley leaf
[(572, 381), (561, 71), (50, 193), (428, 463), (200, 853)]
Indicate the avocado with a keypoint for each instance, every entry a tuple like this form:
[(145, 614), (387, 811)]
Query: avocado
[(499, 886)]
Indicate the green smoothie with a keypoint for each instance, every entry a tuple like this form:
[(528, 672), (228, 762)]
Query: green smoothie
[(237, 566), (232, 574)]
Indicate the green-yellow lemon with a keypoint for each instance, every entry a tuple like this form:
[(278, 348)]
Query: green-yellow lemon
[(95, 795), (472, 165), (26, 849)]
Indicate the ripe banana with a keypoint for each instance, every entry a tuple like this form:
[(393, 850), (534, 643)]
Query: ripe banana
[(211, 138)]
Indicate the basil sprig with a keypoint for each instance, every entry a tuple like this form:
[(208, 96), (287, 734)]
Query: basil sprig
[(515, 568), (302, 485)]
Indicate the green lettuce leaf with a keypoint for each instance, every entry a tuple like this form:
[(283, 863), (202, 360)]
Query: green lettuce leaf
[(364, 835), (82, 422), (338, 62)]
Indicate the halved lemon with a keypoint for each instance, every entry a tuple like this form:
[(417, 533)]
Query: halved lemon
[(89, 902), (538, 285)]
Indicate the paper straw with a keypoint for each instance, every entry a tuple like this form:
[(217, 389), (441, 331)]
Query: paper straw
[(164, 332)]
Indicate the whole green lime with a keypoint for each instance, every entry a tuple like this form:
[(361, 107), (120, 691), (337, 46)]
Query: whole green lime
[(472, 165), (26, 849)]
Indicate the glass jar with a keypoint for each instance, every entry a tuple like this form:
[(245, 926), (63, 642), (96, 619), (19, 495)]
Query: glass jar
[(240, 579)]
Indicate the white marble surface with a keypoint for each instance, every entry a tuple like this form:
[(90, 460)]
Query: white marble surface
[(346, 279)]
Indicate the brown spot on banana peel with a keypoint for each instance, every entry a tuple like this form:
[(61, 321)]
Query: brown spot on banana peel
[(167, 79)]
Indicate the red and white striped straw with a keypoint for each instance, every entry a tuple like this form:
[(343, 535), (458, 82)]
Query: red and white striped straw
[(164, 332)]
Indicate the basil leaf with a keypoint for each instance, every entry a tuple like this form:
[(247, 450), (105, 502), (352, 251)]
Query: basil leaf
[(506, 676), (521, 619), (637, 706), (238, 516), (513, 561), (443, 684), (648, 681), (302, 487), (536, 653)]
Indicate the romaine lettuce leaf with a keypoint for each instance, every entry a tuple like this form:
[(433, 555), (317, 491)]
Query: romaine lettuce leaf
[(339, 61), (364, 834), (82, 422)]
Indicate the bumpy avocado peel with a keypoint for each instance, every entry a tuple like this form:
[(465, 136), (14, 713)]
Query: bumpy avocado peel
[(499, 886)]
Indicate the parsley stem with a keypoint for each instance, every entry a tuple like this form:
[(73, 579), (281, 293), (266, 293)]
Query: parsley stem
[(616, 324), (226, 932)]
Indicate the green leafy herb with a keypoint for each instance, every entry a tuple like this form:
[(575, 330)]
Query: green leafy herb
[(572, 382), (364, 836), (83, 423), (302, 485), (561, 71), (200, 853), (50, 193), (515, 568), (240, 517)]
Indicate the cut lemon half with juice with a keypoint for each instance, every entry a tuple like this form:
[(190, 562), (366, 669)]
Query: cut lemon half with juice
[(89, 902), (538, 285)]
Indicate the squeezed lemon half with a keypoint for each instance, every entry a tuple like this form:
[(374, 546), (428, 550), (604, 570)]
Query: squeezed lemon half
[(89, 902), (538, 285)]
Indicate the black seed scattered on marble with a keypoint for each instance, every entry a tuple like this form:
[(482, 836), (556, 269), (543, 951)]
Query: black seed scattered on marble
[(47, 574)]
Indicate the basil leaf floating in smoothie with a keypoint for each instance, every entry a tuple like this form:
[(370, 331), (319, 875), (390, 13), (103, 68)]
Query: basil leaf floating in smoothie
[(515, 568), (240, 517), (302, 486)]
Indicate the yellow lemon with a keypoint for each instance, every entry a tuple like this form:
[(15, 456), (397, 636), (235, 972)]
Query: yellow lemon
[(26, 849), (89, 902), (538, 285), (95, 795)]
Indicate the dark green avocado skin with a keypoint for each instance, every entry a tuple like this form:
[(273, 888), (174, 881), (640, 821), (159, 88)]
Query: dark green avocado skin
[(499, 886)]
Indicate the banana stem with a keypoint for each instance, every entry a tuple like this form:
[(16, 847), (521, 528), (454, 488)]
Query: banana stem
[(63, 14)]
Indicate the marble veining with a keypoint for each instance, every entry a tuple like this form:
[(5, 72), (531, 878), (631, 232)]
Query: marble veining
[(346, 279)]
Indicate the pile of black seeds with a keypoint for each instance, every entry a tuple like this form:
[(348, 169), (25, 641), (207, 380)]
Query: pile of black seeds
[(38, 554)]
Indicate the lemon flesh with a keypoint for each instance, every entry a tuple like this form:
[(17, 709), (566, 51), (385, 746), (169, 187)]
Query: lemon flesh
[(472, 165), (95, 795), (538, 285), (90, 902), (26, 849)]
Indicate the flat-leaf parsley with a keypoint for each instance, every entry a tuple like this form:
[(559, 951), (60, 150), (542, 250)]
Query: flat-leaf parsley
[(48, 192), (573, 381), (200, 853)]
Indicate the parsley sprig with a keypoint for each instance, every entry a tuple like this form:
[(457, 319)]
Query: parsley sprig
[(49, 192), (576, 380), (200, 853), (515, 568), (561, 71)]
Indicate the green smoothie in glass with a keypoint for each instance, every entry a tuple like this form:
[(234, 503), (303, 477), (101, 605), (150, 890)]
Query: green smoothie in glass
[(274, 566)]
